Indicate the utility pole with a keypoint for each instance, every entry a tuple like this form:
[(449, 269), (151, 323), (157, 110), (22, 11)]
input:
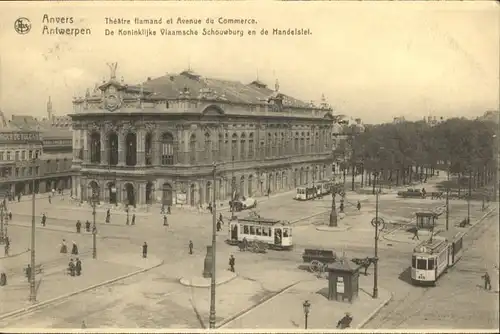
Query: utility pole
[(33, 227), (468, 196), (2, 234), (233, 188), (448, 200), (214, 239), (94, 228)]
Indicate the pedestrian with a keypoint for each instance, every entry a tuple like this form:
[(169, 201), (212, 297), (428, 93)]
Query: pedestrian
[(44, 220), (19, 197), (415, 234), (165, 222), (10, 216), (232, 263), (83, 324), (218, 226), (162, 211), (71, 268), (50, 199), (64, 247), (133, 219), (221, 219), (108, 216), (341, 206), (145, 250), (6, 249), (169, 212), (87, 226), (3, 279), (487, 281), (74, 249), (210, 207), (78, 226), (28, 272), (359, 205), (78, 267), (190, 247)]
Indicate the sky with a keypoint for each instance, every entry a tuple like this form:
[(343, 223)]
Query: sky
[(375, 60)]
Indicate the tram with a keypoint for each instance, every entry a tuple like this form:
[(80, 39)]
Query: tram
[(276, 234), (431, 258), (308, 192)]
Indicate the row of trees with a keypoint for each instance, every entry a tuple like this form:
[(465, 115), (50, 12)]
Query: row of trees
[(401, 153), (407, 151)]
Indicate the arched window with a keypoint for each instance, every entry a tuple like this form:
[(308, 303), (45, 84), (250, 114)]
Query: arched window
[(95, 147), (148, 145), (131, 149), (113, 148), (192, 149), (167, 149), (243, 151), (250, 146), (234, 146), (220, 147), (308, 143), (208, 147), (296, 149)]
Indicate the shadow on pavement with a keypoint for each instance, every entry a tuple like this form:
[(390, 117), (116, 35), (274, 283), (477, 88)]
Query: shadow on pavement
[(405, 276)]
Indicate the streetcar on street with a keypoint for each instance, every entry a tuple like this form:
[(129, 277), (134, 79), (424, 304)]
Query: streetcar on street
[(316, 190), (431, 258), (276, 234)]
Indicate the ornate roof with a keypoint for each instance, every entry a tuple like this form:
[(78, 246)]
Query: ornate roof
[(188, 84)]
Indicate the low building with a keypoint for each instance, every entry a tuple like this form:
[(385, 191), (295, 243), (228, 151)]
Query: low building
[(157, 142), (34, 154)]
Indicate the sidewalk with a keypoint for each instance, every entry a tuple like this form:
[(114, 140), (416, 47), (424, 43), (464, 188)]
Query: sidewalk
[(285, 310), (54, 282)]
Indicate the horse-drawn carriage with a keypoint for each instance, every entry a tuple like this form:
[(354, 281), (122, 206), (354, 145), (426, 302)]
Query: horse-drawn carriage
[(318, 259), (364, 263)]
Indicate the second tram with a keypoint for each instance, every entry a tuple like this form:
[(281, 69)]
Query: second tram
[(277, 234), (308, 192), (431, 258)]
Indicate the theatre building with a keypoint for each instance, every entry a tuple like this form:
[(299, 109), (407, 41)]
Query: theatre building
[(156, 142)]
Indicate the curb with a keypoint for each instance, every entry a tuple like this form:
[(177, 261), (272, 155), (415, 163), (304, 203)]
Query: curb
[(46, 303), (374, 312), (333, 229), (240, 314), (14, 255), (193, 285)]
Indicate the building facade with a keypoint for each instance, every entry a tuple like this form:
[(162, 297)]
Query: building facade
[(34, 154), (158, 142)]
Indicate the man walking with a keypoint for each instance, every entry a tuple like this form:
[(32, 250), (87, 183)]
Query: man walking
[(487, 281), (165, 222), (232, 263), (78, 267), (359, 205), (415, 235), (78, 226), (145, 250), (133, 219), (191, 247)]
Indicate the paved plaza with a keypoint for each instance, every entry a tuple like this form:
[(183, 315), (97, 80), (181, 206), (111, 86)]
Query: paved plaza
[(156, 298)]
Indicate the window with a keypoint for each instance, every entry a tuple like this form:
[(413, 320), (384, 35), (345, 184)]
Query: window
[(17, 156), (37, 170), (422, 264), (17, 171), (208, 147), (252, 230), (30, 155), (430, 264), (258, 231), (192, 149), (234, 146), (220, 147), (264, 232), (285, 233), (167, 149), (243, 152), (8, 155), (250, 146), (245, 229), (23, 155)]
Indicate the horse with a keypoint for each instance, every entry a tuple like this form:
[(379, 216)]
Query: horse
[(365, 263)]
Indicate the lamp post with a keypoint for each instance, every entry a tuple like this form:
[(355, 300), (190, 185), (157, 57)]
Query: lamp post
[(94, 228), (2, 233), (378, 224), (447, 199), (214, 234), (32, 264), (468, 196), (233, 188), (307, 306)]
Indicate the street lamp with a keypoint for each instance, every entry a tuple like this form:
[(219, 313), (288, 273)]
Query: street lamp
[(2, 233), (306, 305), (33, 227), (233, 188), (214, 239), (94, 199), (378, 224), (447, 198)]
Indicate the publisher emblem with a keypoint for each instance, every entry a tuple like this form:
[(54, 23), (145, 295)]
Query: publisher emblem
[(22, 26)]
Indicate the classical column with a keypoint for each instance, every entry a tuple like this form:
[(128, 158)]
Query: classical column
[(104, 148), (141, 148), (121, 148)]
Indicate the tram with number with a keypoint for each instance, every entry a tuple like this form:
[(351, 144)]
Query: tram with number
[(316, 190), (276, 234), (431, 258)]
